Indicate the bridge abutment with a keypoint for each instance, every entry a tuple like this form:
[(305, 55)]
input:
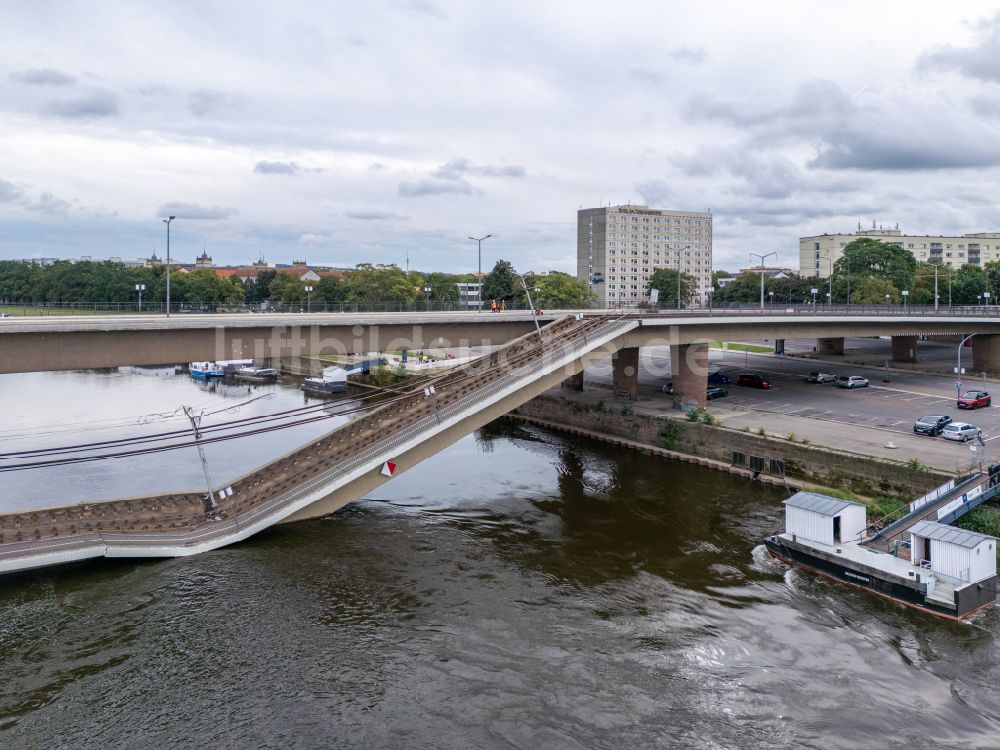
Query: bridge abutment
[(689, 363), (625, 372), (830, 345), (904, 348), (573, 382), (986, 353)]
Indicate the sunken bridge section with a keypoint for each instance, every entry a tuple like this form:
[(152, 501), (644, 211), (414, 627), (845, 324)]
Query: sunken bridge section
[(322, 476)]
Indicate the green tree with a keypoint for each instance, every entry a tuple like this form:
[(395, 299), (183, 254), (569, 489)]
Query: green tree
[(968, 284), (873, 291), (666, 280), (330, 289), (444, 287), (868, 257), (501, 283), (559, 290), (379, 283)]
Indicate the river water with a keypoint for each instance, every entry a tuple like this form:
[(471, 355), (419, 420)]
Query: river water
[(519, 590)]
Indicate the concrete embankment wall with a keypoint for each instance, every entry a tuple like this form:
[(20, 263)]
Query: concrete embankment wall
[(814, 464)]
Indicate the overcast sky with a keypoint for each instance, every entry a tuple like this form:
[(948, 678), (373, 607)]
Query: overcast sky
[(343, 132)]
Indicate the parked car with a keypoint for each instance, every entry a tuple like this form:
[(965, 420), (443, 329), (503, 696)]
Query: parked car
[(668, 388), (974, 400), (822, 377), (960, 431), (751, 380), (852, 381), (716, 392), (931, 425), (719, 378)]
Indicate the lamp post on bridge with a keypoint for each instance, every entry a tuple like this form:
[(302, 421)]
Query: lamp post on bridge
[(427, 296), (167, 222), (140, 288), (479, 242), (762, 256), (309, 298), (905, 293), (814, 290)]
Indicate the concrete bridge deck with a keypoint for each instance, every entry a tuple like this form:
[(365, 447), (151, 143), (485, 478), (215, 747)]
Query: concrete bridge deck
[(322, 476)]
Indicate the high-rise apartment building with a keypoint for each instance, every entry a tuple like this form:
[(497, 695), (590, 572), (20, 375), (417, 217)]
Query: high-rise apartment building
[(619, 247), (818, 254)]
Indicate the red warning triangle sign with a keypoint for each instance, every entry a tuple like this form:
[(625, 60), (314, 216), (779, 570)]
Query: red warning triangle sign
[(388, 468)]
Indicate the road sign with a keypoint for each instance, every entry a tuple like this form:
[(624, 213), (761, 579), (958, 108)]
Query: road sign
[(388, 468)]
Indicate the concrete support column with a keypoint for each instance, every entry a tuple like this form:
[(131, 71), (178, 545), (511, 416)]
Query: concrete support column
[(904, 348), (830, 346), (625, 372), (985, 354), (573, 382), (689, 363)]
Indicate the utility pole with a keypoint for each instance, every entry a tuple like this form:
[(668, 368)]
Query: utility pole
[(167, 222), (935, 288), (765, 255), (479, 242), (195, 422)]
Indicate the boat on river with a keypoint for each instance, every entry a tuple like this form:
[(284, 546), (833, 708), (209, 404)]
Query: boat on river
[(206, 370), (257, 374), (919, 560)]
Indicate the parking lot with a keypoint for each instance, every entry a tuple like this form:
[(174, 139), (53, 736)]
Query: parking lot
[(889, 406)]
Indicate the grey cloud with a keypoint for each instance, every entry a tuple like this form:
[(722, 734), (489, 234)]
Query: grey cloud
[(458, 168), (419, 188), (865, 149), (49, 204), (424, 8), (276, 167), (694, 55), (98, 103), (42, 77), (203, 102), (195, 211), (9, 192), (980, 61), (374, 215)]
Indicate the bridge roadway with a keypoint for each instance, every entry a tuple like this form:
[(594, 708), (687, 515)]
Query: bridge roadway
[(78, 342), (320, 477)]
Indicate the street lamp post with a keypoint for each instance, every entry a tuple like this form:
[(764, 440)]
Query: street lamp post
[(765, 255), (479, 242), (140, 288), (986, 299), (814, 290), (905, 294), (958, 367), (887, 299), (309, 298), (771, 300), (167, 222), (427, 296)]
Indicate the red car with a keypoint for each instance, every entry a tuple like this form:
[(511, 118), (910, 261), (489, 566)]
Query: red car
[(974, 400), (752, 381)]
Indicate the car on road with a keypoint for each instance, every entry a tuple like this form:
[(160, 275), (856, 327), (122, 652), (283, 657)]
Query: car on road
[(822, 377), (931, 425), (974, 400), (719, 379), (716, 392), (752, 380), (960, 431), (6, 315), (852, 381), (668, 388)]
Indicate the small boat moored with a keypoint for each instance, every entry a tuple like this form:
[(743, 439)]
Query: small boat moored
[(333, 380), (206, 370), (257, 373)]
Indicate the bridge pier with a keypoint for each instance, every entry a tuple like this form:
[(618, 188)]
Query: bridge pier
[(625, 372), (830, 345), (689, 363), (986, 353), (573, 382), (904, 348)]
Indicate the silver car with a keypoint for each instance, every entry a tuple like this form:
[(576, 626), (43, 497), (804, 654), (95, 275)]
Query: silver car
[(852, 381), (960, 431)]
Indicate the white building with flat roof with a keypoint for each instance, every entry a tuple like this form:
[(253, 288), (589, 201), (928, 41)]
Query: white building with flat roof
[(817, 254), (619, 247)]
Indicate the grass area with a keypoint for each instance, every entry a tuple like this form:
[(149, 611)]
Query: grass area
[(734, 346), (878, 507), (982, 519), (20, 311)]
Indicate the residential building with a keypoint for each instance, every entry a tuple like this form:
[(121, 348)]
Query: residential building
[(619, 247), (818, 254)]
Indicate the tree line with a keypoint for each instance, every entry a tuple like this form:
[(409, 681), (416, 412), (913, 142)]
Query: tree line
[(99, 282)]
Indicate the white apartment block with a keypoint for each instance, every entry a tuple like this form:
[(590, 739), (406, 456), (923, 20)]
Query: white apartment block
[(818, 254), (618, 247)]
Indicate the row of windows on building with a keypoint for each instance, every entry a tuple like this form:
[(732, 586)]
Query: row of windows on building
[(635, 235), (645, 246), (933, 245), (676, 252)]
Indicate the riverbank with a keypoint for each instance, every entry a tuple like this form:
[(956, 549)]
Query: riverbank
[(802, 462)]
